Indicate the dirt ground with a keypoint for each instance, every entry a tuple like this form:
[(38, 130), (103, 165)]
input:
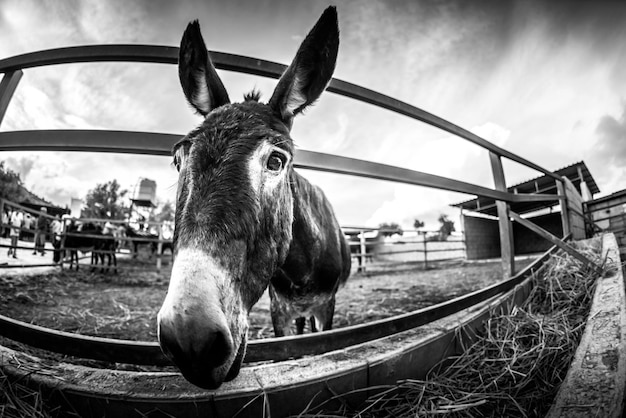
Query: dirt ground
[(125, 305)]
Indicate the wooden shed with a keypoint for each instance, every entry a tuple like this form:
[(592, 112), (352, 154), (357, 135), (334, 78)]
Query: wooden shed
[(479, 216), (608, 214)]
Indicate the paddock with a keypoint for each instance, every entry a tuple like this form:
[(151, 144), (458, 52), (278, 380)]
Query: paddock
[(284, 375)]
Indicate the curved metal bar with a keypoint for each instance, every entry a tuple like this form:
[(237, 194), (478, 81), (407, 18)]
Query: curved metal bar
[(124, 142), (247, 65), (271, 349), (161, 144), (84, 346)]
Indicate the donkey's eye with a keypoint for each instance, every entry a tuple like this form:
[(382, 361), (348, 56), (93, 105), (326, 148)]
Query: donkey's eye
[(275, 162), (179, 158)]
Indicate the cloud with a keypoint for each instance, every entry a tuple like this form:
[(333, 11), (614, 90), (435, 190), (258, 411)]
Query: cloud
[(540, 79), (456, 159), (611, 143), (493, 133), (21, 165), (608, 159)]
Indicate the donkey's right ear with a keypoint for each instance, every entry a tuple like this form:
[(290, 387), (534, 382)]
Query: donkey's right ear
[(202, 86)]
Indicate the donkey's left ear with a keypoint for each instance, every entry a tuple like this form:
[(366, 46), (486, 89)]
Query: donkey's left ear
[(311, 70), (202, 86)]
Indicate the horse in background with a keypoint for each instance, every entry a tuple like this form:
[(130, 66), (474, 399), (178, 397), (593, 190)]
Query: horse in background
[(89, 237), (245, 219), (145, 238)]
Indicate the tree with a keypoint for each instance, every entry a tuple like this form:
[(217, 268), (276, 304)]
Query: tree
[(417, 224), (165, 213), (104, 201), (447, 227), (11, 185), (388, 229)]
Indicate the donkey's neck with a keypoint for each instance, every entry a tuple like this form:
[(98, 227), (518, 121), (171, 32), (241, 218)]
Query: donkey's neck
[(308, 208), (316, 255)]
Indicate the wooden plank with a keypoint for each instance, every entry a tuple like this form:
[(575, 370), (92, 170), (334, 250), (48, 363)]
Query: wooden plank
[(564, 215), (572, 195), (554, 240), (161, 144), (606, 204), (544, 190), (507, 250), (607, 218), (574, 210), (7, 88)]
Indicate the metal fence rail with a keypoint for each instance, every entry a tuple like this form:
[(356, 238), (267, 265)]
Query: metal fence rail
[(271, 349), (160, 144)]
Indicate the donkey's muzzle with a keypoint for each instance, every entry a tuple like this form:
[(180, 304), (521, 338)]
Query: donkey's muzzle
[(200, 354), (193, 328)]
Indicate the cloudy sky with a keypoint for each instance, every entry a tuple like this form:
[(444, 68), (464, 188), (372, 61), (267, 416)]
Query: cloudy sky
[(544, 79)]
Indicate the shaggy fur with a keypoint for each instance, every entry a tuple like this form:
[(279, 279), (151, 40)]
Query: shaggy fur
[(245, 218)]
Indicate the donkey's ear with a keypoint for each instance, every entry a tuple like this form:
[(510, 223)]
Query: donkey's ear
[(311, 70), (202, 86)]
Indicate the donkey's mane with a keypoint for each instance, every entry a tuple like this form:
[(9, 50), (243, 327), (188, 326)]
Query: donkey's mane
[(253, 95)]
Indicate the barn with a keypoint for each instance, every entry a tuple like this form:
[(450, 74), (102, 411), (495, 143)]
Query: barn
[(480, 216)]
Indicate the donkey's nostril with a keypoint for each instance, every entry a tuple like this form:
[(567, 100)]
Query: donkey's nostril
[(217, 348), (203, 347)]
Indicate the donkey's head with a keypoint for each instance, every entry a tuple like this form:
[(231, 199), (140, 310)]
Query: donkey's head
[(234, 203)]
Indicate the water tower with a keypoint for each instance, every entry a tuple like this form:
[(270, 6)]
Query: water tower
[(143, 201)]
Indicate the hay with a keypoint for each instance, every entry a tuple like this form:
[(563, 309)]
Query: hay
[(514, 368), (19, 401)]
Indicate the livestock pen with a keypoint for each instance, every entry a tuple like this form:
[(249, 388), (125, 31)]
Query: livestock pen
[(377, 251), (68, 241), (301, 369)]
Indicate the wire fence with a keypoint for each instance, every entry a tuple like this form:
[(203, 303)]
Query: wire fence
[(372, 248)]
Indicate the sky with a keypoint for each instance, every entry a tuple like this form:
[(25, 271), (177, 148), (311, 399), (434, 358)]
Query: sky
[(543, 79)]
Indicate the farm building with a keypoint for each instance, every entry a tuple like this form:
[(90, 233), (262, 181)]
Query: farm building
[(609, 214), (479, 216), (32, 201)]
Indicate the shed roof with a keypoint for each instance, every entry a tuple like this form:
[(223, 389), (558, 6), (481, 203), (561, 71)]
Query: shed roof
[(576, 173)]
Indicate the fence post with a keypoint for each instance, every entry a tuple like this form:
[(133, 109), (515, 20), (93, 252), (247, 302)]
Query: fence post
[(562, 190), (425, 252), (62, 247), (159, 248), (1, 215), (363, 251), (504, 221)]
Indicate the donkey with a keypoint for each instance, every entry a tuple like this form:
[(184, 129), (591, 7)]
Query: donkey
[(99, 247), (245, 220)]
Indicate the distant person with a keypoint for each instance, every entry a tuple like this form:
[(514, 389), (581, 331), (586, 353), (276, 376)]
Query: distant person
[(16, 219), (57, 234), (41, 231), (27, 221), (5, 224)]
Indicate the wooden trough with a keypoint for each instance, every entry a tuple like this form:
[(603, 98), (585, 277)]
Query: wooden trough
[(596, 380)]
